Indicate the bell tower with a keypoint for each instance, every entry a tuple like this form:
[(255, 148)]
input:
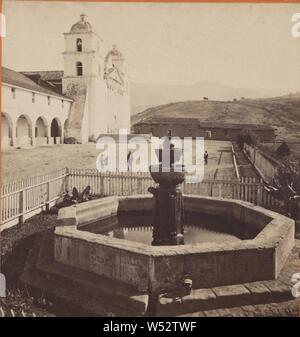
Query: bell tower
[(83, 52), (96, 82), (83, 62)]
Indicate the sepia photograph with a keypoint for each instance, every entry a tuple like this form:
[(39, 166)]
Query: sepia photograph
[(150, 161)]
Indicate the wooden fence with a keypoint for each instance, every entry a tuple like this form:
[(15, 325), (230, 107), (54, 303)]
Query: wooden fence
[(20, 199), (248, 189)]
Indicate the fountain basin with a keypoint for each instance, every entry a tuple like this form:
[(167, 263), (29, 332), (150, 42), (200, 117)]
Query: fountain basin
[(150, 268), (172, 176)]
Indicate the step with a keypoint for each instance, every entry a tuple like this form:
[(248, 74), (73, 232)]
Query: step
[(224, 297), (280, 309)]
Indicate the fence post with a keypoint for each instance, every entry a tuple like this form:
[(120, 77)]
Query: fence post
[(139, 185), (122, 183), (48, 196), (101, 186), (67, 183), (22, 206), (260, 193)]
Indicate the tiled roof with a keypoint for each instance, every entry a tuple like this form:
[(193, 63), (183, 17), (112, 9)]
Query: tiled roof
[(51, 75), (15, 78)]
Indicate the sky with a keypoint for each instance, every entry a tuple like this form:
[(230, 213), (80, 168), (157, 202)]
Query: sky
[(242, 45)]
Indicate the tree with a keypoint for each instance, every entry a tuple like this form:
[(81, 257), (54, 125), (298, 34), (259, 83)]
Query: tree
[(287, 182), (246, 136), (283, 150)]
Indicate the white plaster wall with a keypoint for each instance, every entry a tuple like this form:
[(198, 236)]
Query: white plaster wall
[(98, 109), (22, 104), (96, 100)]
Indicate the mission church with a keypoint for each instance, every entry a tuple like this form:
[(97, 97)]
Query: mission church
[(88, 98)]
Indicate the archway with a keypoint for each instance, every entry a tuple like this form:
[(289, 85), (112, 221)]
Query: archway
[(79, 69), (23, 130), (79, 44), (6, 130), (41, 133), (56, 131)]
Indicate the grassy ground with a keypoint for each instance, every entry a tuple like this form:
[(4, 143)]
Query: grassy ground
[(271, 148), (16, 243)]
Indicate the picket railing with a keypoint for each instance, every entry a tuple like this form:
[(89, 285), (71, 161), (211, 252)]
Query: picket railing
[(249, 189), (23, 197), (20, 199)]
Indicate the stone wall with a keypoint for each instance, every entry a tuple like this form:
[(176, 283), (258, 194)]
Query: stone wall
[(197, 130), (76, 122), (151, 268), (266, 166)]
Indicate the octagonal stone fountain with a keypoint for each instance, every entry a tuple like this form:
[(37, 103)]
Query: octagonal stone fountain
[(104, 246)]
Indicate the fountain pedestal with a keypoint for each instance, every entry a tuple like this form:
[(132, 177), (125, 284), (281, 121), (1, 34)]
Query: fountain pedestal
[(168, 214)]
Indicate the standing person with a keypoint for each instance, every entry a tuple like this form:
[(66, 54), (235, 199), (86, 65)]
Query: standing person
[(129, 160), (205, 157)]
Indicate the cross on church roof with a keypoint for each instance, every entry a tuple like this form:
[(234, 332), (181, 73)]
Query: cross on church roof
[(83, 16)]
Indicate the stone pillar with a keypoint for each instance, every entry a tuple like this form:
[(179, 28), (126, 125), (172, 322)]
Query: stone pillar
[(167, 216), (48, 133), (32, 135), (14, 134), (295, 211), (62, 135)]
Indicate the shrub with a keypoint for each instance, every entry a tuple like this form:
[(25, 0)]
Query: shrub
[(246, 136), (283, 149), (70, 140)]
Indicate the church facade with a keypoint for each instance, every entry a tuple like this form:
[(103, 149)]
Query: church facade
[(92, 94), (96, 81)]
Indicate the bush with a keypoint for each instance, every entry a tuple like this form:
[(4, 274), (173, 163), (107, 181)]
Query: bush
[(70, 140), (246, 136), (283, 149), (250, 138)]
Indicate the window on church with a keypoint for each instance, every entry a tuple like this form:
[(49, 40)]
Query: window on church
[(79, 44), (33, 97), (79, 69), (62, 103), (13, 92), (48, 98)]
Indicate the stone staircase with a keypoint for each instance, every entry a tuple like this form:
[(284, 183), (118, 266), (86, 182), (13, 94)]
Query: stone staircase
[(241, 299)]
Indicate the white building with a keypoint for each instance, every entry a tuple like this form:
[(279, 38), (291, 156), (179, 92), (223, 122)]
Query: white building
[(31, 114), (88, 98)]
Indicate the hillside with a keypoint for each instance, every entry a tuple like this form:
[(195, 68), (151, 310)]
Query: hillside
[(147, 95), (282, 113)]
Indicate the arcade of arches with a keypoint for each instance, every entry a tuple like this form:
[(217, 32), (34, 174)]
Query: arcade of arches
[(25, 132)]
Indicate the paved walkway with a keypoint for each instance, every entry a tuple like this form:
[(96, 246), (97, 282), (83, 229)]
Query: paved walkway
[(220, 162)]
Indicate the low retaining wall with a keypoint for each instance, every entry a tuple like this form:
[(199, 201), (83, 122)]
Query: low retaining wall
[(266, 166), (150, 268)]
